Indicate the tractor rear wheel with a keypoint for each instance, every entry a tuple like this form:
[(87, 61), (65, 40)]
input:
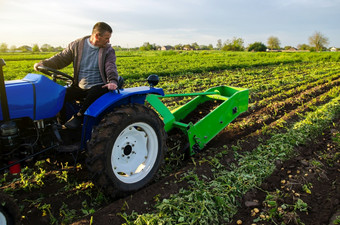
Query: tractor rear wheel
[(126, 149)]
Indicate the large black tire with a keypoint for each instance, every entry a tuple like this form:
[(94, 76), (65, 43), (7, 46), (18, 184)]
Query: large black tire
[(9, 211), (126, 149)]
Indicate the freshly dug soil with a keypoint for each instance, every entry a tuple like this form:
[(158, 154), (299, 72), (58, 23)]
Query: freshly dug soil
[(313, 176)]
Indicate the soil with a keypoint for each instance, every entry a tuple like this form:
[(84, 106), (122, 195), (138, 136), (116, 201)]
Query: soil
[(323, 203), (54, 202), (312, 176)]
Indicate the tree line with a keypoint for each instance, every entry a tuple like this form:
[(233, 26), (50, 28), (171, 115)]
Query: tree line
[(25, 48), (317, 42)]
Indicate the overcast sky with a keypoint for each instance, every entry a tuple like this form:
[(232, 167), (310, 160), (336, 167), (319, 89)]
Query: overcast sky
[(169, 22)]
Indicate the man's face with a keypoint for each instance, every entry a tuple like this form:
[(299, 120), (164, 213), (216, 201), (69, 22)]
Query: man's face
[(102, 40)]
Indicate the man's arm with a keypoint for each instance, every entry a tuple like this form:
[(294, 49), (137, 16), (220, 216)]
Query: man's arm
[(59, 60), (111, 68)]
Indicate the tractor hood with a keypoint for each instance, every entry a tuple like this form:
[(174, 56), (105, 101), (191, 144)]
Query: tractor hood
[(35, 96)]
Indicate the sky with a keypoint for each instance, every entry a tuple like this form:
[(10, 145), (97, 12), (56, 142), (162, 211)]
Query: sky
[(169, 22)]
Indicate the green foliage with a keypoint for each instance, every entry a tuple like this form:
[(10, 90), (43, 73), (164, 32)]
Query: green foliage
[(46, 211), (274, 210), (273, 43), (236, 44), (257, 47), (67, 215), (303, 47), (35, 48), (139, 65), (147, 47), (46, 48), (30, 179), (3, 47), (318, 40)]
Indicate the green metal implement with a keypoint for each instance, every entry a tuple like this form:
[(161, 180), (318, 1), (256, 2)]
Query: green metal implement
[(234, 102)]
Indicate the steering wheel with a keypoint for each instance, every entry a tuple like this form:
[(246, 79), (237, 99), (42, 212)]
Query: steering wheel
[(55, 74)]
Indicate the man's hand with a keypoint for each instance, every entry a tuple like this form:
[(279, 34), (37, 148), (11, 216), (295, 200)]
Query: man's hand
[(36, 66), (110, 86)]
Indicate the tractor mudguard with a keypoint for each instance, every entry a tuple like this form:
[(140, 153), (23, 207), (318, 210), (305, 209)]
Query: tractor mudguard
[(107, 102), (112, 99)]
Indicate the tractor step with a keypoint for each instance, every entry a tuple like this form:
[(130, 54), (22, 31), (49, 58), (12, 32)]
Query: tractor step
[(69, 148)]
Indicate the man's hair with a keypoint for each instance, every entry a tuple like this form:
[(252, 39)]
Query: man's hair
[(101, 27)]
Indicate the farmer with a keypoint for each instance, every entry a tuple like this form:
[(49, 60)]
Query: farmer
[(95, 70)]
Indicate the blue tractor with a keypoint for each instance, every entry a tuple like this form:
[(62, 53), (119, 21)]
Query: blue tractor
[(124, 140)]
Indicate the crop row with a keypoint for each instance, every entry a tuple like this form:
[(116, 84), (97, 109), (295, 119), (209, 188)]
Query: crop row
[(276, 88), (141, 64)]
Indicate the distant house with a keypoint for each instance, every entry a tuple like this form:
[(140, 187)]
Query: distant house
[(187, 48), (333, 49), (273, 50), (24, 48), (292, 49), (166, 47)]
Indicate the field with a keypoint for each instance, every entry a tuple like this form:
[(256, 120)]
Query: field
[(278, 163)]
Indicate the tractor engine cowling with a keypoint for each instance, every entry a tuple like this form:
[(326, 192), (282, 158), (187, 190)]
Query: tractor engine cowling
[(35, 97)]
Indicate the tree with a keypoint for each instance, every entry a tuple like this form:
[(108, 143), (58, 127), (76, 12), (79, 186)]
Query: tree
[(195, 46), (273, 43), (46, 48), (147, 47), (219, 44), (303, 47), (58, 49), (35, 48), (257, 47), (117, 47), (187, 47), (178, 47), (25, 48), (318, 40), (3, 47), (236, 44), (13, 48)]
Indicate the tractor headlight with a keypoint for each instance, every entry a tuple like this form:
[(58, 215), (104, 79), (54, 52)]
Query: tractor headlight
[(8, 128), (8, 135)]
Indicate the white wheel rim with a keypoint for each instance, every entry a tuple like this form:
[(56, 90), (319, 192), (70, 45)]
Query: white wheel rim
[(134, 152), (2, 219)]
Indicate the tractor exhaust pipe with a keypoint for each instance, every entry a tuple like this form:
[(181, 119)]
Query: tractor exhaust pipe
[(3, 96)]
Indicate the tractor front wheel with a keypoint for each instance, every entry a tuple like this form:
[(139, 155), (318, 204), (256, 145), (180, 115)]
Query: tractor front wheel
[(126, 149), (9, 211)]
